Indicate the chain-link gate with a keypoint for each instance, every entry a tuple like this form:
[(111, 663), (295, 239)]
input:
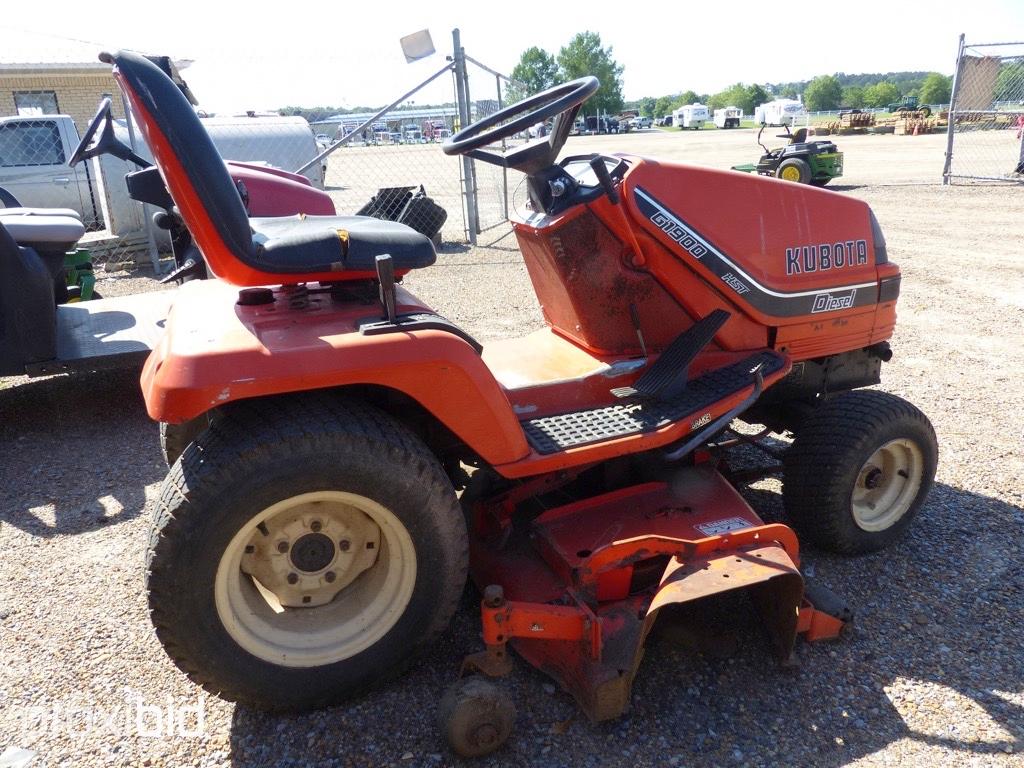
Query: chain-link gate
[(985, 140), (390, 164)]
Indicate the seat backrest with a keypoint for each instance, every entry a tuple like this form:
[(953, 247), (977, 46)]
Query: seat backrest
[(799, 137), (193, 169)]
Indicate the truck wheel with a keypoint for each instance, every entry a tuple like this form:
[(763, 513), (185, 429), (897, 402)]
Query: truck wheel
[(794, 169), (859, 469), (303, 553)]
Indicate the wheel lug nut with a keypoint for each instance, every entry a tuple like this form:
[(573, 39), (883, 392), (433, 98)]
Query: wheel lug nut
[(315, 526), (293, 578), (282, 547), (306, 598), (330, 576), (344, 545)]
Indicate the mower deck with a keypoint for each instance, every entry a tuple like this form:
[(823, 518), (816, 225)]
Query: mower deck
[(106, 333), (591, 577)]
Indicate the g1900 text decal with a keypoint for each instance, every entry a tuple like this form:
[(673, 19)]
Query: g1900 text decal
[(680, 234), (826, 256)]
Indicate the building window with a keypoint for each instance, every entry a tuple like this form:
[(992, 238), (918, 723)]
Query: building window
[(30, 142), (32, 103)]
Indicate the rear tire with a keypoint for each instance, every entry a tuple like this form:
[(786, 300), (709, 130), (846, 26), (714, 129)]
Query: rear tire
[(174, 438), (821, 182), (285, 500), (858, 471), (794, 169)]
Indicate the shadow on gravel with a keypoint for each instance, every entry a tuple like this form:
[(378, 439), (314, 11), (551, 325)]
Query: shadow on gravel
[(76, 452), (935, 657)]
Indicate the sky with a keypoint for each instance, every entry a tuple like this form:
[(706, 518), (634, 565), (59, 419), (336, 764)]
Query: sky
[(318, 53)]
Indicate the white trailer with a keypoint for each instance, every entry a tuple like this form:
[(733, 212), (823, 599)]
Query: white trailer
[(779, 112), (691, 116), (729, 117)]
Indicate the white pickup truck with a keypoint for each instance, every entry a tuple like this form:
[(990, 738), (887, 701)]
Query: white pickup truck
[(34, 154)]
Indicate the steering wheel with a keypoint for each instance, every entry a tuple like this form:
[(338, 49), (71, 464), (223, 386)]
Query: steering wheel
[(107, 143), (562, 101)]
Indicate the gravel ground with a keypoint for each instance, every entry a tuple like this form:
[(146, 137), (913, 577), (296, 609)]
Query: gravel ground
[(933, 672)]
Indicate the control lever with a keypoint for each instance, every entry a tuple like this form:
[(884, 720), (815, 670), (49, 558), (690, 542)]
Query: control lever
[(634, 315), (605, 178), (388, 294)]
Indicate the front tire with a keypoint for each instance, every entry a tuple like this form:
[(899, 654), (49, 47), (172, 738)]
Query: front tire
[(858, 471), (303, 553), (794, 169)]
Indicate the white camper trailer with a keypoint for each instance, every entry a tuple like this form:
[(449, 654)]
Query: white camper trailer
[(729, 117), (779, 112), (691, 116)]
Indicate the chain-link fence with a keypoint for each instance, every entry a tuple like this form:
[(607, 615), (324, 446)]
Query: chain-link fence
[(389, 163), (986, 115)]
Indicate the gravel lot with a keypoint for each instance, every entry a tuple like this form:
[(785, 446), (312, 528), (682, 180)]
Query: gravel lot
[(933, 672)]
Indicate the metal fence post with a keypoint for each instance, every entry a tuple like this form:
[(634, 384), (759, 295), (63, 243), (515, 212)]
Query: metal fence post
[(462, 96), (147, 218), (951, 124)]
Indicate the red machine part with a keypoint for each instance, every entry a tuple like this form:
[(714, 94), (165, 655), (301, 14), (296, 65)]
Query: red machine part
[(591, 577), (273, 192)]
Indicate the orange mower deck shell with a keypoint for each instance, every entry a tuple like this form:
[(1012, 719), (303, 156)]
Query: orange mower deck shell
[(585, 586)]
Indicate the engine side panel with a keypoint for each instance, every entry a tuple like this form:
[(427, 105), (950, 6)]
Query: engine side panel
[(798, 260)]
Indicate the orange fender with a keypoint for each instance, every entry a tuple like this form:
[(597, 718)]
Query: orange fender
[(215, 351)]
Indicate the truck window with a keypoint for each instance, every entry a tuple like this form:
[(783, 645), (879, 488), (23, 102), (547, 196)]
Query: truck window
[(30, 142)]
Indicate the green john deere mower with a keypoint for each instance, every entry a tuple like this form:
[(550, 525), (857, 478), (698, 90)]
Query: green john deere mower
[(806, 162)]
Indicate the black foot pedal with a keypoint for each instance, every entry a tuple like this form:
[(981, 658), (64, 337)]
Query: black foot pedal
[(386, 276), (668, 376)]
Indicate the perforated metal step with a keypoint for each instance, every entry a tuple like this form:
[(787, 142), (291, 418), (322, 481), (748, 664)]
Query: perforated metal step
[(551, 434)]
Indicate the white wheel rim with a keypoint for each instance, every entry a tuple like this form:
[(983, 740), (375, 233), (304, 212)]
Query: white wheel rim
[(358, 570), (887, 485)]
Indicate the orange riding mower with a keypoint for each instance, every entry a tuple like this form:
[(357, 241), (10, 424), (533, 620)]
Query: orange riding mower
[(320, 421)]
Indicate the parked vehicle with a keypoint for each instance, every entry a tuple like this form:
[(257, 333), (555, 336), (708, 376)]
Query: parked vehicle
[(909, 104), (642, 122), (814, 162), (779, 112), (691, 116), (309, 539), (729, 117)]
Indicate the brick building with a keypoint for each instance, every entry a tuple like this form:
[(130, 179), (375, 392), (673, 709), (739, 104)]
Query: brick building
[(44, 75)]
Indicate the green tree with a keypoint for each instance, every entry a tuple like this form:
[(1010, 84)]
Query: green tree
[(758, 96), (686, 97), (881, 94), (823, 93), (536, 71), (647, 106), (788, 92), (1010, 82), (737, 95), (935, 89), (853, 96), (585, 56), (664, 105)]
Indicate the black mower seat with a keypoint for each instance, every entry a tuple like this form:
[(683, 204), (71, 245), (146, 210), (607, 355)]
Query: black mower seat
[(294, 244), (44, 229)]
